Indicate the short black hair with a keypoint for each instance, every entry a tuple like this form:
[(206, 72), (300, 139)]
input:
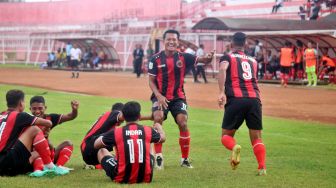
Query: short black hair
[(37, 99), (239, 39), (288, 44), (131, 111), (171, 31), (117, 106), (14, 97)]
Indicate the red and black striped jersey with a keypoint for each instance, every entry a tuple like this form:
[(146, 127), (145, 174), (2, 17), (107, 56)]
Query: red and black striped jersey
[(106, 122), (241, 76), (170, 72), (132, 151), (11, 126)]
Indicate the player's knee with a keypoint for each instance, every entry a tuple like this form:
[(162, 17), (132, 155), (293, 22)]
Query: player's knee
[(182, 125), (68, 143), (33, 130), (158, 119)]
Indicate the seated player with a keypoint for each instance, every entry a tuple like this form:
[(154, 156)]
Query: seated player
[(327, 67), (21, 142), (109, 120), (133, 162), (62, 153)]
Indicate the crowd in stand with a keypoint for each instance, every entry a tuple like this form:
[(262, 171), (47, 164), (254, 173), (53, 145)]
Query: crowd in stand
[(309, 10)]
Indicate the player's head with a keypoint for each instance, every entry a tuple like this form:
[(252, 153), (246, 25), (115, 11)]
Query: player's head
[(201, 46), (299, 43), (288, 44), (171, 39), (239, 39), (117, 106), (131, 111), (310, 44), (15, 99), (37, 106)]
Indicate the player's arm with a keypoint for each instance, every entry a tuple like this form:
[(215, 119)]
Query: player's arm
[(223, 66), (205, 59), (148, 117), (43, 122), (73, 114), (105, 140), (158, 128)]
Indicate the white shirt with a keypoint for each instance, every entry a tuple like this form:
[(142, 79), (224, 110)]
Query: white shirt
[(200, 53), (75, 53), (190, 51)]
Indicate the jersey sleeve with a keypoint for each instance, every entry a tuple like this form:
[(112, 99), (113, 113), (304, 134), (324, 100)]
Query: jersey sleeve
[(55, 119), (113, 118), (225, 59), (156, 137), (108, 138), (190, 60), (24, 119), (152, 67)]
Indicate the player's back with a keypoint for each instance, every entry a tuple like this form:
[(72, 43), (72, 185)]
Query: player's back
[(135, 163), (8, 131), (241, 79), (104, 123)]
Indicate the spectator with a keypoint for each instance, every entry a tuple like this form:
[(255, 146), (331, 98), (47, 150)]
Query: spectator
[(200, 65), (87, 57), (302, 13), (274, 66), (315, 11), (63, 57), (51, 59), (278, 4), (286, 60), (68, 48), (138, 55), (59, 57), (189, 50), (260, 60)]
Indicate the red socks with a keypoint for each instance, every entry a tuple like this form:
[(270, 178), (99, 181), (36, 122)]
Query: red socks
[(260, 152), (38, 164), (158, 147), (228, 141), (184, 143), (41, 145), (64, 155)]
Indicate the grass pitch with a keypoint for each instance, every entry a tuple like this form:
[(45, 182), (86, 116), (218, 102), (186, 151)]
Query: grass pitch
[(299, 154)]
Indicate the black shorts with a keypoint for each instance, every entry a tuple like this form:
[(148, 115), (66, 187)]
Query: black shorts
[(15, 161), (89, 154), (74, 63), (176, 106), (285, 70), (239, 109), (110, 165)]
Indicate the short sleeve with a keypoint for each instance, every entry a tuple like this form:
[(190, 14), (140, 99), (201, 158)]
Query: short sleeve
[(152, 67), (113, 118), (225, 58), (108, 138), (190, 60), (55, 119), (156, 137), (24, 119)]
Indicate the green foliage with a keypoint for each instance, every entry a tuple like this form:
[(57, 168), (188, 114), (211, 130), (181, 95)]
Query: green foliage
[(299, 154)]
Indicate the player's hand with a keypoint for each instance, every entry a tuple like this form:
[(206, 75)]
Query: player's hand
[(210, 55), (74, 105), (221, 100), (162, 102)]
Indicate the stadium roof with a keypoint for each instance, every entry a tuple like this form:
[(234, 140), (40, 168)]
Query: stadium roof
[(241, 24), (85, 43)]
